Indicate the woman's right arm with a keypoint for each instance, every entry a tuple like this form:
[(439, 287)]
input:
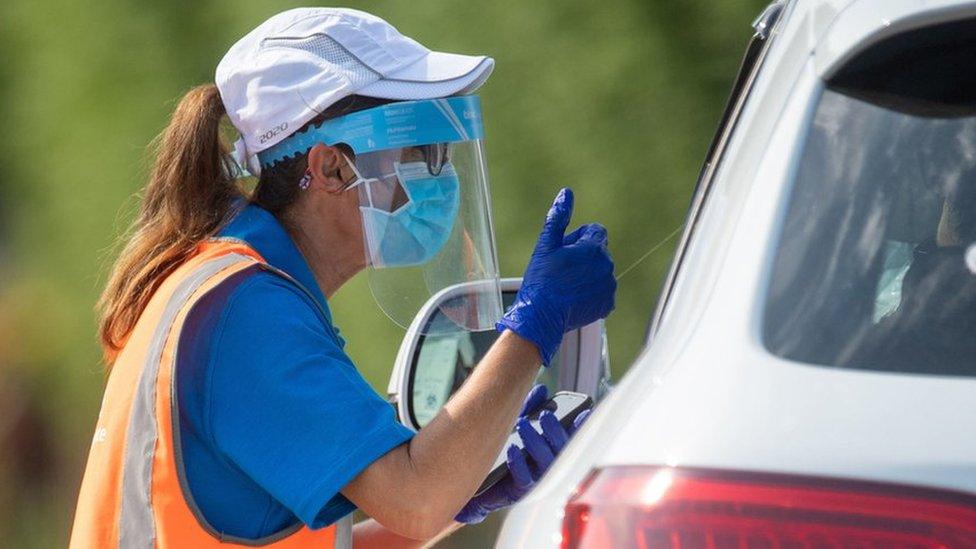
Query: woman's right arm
[(417, 488)]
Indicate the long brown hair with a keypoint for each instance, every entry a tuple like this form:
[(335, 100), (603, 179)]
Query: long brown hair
[(190, 193)]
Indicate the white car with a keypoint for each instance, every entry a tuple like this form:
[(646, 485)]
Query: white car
[(809, 378)]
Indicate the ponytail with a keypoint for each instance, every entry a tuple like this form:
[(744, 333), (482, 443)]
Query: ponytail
[(189, 194)]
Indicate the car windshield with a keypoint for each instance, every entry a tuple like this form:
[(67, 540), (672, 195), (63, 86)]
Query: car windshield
[(876, 264)]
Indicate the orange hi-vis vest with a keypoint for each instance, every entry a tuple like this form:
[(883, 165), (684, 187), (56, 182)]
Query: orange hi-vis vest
[(134, 493)]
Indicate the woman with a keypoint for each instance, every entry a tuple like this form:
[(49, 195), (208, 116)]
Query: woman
[(232, 413)]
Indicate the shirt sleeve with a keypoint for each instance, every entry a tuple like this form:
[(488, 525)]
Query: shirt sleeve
[(288, 407)]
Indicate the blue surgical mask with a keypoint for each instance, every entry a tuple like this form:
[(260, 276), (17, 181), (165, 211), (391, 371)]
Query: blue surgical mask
[(416, 231)]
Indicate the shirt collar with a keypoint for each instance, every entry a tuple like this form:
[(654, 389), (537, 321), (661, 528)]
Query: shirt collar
[(261, 230)]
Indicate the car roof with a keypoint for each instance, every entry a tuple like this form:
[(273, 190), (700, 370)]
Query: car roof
[(839, 29)]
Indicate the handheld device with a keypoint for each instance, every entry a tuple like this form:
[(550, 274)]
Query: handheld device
[(565, 405)]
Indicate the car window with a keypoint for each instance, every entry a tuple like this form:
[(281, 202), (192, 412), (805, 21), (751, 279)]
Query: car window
[(875, 266)]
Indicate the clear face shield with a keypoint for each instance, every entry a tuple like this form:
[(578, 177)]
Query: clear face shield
[(421, 176)]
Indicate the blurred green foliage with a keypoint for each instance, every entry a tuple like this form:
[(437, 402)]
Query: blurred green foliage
[(616, 99)]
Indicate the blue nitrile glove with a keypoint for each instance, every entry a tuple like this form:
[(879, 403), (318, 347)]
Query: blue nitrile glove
[(524, 473), (569, 282)]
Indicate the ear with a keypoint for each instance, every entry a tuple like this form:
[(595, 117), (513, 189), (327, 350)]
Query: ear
[(328, 168)]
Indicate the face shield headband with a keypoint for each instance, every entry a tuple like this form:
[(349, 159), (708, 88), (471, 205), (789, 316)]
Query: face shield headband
[(395, 125)]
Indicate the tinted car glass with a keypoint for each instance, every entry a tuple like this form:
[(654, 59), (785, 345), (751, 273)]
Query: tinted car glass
[(871, 271)]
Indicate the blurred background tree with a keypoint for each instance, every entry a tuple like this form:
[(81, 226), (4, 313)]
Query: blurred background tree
[(616, 99)]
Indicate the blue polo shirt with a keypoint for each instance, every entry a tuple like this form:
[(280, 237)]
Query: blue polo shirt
[(274, 417)]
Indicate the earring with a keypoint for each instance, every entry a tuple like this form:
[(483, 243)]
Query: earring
[(306, 180)]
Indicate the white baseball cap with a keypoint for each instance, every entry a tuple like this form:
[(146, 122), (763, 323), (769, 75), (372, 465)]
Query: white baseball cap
[(299, 62)]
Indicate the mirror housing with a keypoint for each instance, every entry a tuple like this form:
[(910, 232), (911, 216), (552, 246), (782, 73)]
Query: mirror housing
[(581, 364)]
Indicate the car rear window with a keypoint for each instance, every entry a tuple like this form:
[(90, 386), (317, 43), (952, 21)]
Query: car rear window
[(876, 265)]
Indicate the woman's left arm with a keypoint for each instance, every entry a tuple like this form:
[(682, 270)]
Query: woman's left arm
[(370, 533)]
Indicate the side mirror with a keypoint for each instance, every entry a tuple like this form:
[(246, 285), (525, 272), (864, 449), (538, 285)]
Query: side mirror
[(430, 368)]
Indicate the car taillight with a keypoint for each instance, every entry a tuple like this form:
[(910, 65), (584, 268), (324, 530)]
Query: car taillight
[(645, 506)]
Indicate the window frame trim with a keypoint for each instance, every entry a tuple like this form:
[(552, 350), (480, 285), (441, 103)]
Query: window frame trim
[(751, 65)]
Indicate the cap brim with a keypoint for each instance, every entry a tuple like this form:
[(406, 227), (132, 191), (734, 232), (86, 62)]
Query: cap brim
[(437, 74)]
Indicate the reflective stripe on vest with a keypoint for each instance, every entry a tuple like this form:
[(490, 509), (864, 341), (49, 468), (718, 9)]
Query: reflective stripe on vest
[(134, 493)]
